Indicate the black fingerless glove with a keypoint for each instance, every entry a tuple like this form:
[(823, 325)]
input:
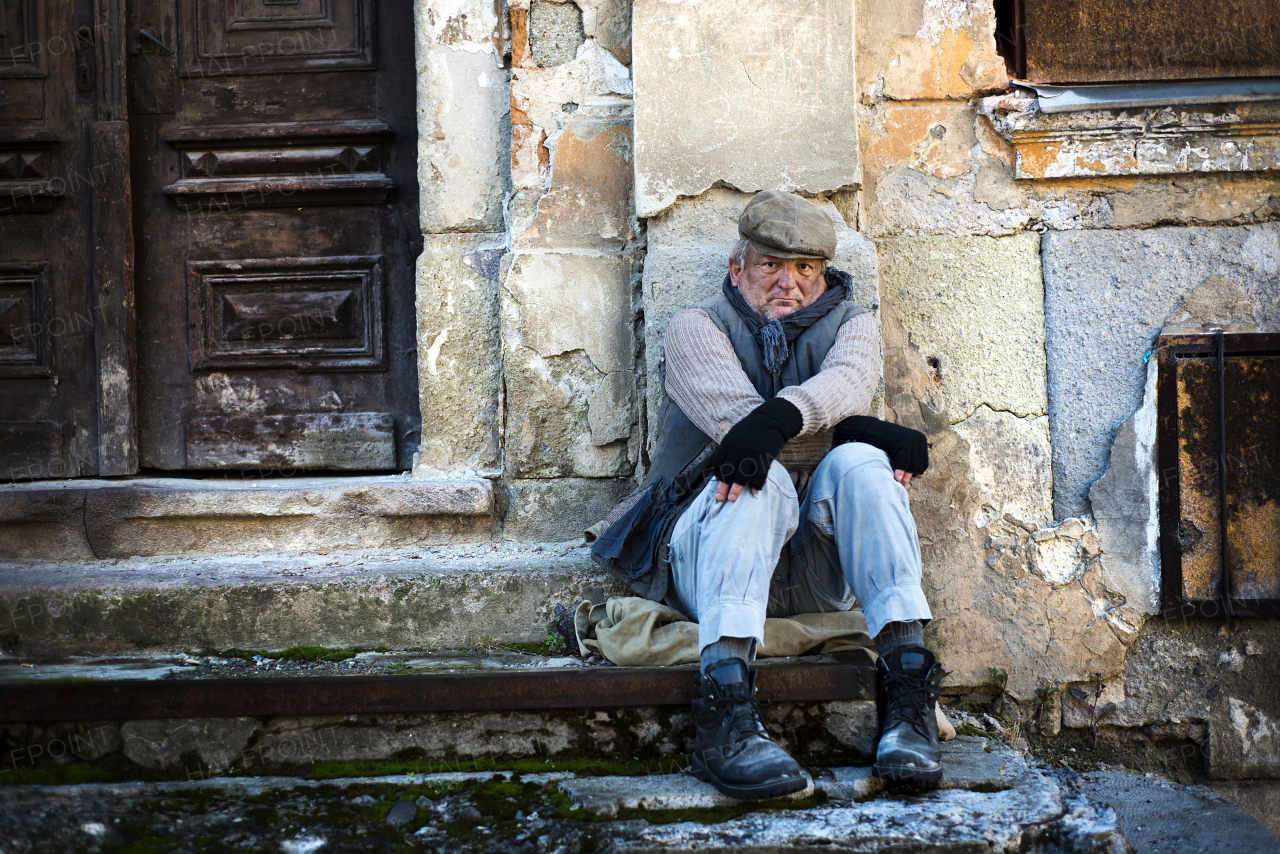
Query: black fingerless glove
[(907, 449), (750, 446)]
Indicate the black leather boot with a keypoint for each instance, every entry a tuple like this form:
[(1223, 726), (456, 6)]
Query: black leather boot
[(910, 679), (733, 751)]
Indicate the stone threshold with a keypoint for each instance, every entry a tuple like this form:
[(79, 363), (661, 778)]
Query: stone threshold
[(144, 517), (479, 595)]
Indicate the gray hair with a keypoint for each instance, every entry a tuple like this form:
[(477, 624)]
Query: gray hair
[(738, 255)]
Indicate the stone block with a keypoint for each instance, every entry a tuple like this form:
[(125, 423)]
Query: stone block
[(1132, 283), (558, 510), (1124, 502), (555, 31), (1244, 741), (443, 598), (688, 257), (569, 347), (763, 103), (923, 50), (1011, 462), (975, 309), (938, 169), (604, 797), (166, 744), (160, 517), (463, 119), (42, 524), (459, 353), (588, 205), (609, 23)]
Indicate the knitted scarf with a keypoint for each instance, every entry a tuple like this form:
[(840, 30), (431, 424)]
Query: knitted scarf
[(773, 336)]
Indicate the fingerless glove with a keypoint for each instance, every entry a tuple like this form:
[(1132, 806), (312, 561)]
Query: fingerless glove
[(907, 449), (751, 445)]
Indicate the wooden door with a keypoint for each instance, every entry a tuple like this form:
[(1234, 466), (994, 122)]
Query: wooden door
[(273, 148), (65, 299)]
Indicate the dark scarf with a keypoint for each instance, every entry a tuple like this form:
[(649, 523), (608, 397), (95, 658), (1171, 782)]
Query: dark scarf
[(773, 336)]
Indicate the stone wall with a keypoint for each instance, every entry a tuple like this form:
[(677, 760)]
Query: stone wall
[(583, 167)]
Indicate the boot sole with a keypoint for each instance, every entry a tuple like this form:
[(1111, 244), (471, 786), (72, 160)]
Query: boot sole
[(906, 773), (754, 792)]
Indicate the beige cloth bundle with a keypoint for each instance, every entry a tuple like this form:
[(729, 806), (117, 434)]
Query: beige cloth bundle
[(636, 632)]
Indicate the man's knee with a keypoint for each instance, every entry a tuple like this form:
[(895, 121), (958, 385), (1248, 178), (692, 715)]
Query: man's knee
[(860, 459)]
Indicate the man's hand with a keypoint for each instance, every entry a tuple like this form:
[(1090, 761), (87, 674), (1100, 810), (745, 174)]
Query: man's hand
[(908, 449), (750, 446)]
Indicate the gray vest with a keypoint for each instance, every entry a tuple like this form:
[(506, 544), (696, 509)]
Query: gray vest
[(633, 547)]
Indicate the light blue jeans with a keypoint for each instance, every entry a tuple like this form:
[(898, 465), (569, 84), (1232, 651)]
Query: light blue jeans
[(852, 541)]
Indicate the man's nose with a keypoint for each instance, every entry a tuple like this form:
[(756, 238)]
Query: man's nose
[(786, 277)]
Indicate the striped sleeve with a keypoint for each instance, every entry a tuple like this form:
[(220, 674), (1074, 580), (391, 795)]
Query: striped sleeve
[(704, 377), (847, 380)]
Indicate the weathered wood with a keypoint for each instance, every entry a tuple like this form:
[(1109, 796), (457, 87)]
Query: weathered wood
[(1098, 41), (30, 448), (114, 289), (264, 170), (282, 133), (48, 391), (351, 440)]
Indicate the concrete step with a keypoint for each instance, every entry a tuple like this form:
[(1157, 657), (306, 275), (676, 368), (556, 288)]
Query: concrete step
[(991, 801), (482, 594), (92, 518)]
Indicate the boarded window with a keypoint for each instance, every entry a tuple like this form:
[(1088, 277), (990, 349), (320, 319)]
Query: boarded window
[(1219, 448), (1104, 41)]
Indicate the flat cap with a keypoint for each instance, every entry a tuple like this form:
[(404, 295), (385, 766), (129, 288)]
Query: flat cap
[(786, 226)]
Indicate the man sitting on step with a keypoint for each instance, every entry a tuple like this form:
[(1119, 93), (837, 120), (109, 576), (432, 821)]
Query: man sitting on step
[(772, 493)]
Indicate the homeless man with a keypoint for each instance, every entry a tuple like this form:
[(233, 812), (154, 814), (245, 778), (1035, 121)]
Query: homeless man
[(772, 493)]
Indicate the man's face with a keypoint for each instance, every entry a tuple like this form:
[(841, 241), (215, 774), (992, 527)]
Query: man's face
[(776, 287)]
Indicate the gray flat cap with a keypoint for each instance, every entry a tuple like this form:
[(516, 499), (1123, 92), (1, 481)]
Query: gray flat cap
[(786, 226)]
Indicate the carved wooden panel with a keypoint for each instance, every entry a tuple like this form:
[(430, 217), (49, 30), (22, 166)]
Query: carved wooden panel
[(312, 440), (239, 37), (307, 313), (294, 165), (22, 46), (24, 178), (25, 327)]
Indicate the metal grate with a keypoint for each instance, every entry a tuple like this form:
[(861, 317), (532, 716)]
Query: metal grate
[(1218, 441)]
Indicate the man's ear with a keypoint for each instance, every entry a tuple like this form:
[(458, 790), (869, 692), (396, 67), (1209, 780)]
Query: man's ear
[(734, 272)]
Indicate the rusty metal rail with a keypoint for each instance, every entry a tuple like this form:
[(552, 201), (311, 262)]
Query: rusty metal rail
[(470, 692)]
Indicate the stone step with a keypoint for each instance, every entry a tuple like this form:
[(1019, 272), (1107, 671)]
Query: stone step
[(477, 595), (92, 518), (991, 801)]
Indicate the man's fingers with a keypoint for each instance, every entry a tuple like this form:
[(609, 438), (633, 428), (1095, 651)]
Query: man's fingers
[(734, 491), (902, 477), (722, 490)]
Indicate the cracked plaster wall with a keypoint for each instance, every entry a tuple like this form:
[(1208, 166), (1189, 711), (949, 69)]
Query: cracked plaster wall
[(991, 331)]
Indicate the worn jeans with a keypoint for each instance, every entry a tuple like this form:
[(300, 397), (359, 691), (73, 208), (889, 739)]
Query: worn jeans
[(852, 541)]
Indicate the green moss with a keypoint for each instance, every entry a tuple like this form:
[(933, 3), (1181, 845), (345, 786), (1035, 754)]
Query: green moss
[(316, 653), (44, 775), (969, 729), (588, 765)]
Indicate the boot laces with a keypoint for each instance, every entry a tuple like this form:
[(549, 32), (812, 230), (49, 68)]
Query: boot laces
[(745, 720), (908, 701)]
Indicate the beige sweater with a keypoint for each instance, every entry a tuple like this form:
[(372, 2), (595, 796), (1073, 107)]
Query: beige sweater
[(706, 380)]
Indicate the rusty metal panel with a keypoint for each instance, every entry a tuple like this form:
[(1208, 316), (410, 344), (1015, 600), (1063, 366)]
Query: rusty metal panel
[(565, 689), (1100, 41), (1219, 424)]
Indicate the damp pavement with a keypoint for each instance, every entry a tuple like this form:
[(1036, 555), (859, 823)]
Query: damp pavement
[(991, 800)]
